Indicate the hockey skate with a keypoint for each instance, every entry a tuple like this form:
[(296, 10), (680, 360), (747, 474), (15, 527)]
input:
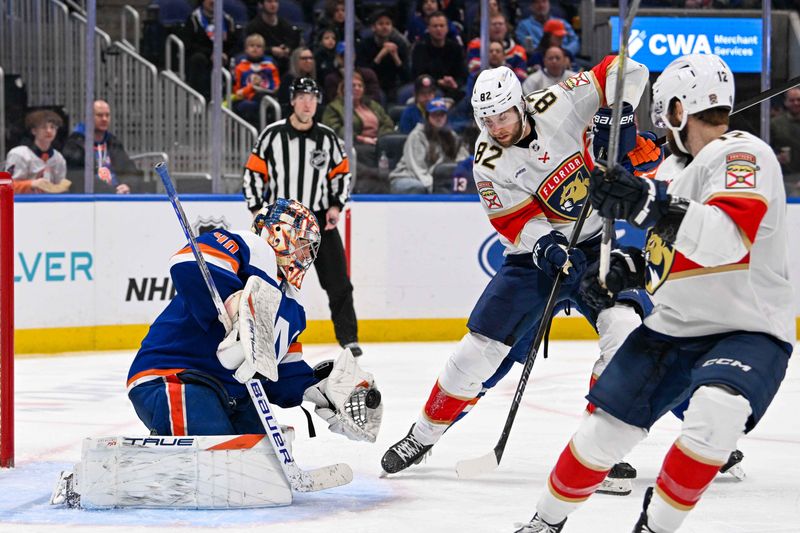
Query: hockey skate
[(641, 525), (64, 492), (733, 466), (618, 481), (404, 453), (355, 349), (537, 525)]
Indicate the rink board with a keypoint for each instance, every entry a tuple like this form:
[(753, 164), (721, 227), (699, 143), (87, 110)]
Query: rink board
[(91, 272)]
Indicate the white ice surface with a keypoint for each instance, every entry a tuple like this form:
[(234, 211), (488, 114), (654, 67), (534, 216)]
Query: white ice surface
[(61, 400)]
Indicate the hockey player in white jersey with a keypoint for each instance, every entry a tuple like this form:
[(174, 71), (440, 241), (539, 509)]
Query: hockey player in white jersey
[(532, 164), (722, 329)]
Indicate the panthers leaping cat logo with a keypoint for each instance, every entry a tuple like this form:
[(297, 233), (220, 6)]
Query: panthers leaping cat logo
[(659, 258), (574, 192)]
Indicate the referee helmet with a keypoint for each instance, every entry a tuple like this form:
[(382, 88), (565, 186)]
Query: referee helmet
[(305, 85)]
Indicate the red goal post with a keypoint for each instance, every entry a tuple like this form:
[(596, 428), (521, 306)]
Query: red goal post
[(6, 321)]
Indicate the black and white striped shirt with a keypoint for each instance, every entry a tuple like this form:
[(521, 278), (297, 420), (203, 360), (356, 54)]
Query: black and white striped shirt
[(309, 166)]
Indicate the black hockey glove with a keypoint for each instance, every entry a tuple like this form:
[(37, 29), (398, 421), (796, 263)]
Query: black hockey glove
[(618, 194), (602, 132), (626, 271), (551, 253)]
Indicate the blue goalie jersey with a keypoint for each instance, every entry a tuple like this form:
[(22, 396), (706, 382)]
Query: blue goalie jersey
[(186, 334)]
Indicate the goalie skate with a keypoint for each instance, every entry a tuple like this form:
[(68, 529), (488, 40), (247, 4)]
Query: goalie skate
[(618, 481), (64, 492), (404, 453)]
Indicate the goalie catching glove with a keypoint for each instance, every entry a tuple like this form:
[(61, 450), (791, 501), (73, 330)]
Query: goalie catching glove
[(249, 346), (347, 398)]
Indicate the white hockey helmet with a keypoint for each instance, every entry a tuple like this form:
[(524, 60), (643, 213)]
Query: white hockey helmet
[(699, 81), (496, 90)]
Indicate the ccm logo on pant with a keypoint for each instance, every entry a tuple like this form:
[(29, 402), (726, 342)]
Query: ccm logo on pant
[(728, 362)]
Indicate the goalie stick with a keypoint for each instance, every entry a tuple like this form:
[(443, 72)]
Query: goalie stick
[(469, 468), (300, 480), (613, 143)]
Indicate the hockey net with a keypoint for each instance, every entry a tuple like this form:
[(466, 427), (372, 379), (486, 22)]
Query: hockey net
[(6, 321)]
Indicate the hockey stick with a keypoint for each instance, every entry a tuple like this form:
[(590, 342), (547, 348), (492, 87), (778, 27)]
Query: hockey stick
[(757, 99), (613, 143), (301, 480), (469, 468)]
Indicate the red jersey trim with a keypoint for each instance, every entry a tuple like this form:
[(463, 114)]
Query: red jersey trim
[(747, 210), (509, 224)]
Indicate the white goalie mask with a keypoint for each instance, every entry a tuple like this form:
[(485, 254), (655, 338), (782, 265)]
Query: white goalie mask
[(699, 81), (496, 90)]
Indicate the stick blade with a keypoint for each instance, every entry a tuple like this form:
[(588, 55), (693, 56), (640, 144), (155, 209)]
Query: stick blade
[(478, 466), (326, 477)]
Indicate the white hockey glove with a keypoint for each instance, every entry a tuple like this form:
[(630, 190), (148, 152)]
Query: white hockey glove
[(348, 399), (249, 347)]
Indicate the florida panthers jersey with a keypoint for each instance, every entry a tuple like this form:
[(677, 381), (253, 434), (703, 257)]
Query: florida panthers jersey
[(529, 191), (728, 269), (186, 334)]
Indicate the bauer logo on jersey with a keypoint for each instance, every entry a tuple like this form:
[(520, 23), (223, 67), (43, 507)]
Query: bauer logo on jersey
[(659, 258), (566, 189), (577, 80), (319, 159), (489, 196), (740, 171)]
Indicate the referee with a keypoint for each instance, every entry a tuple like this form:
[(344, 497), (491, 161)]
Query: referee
[(302, 159)]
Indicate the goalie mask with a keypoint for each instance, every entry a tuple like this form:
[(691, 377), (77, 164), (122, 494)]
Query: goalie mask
[(291, 229)]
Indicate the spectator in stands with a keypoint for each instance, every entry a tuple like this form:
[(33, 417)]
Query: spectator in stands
[(325, 54), (301, 65), (414, 113), (114, 170), (36, 166), (333, 18), (369, 122), (554, 33), (418, 24), (372, 88), (554, 71), (280, 35), (531, 29), (515, 56), (254, 76), (198, 36), (428, 145), (386, 53), (785, 135), (440, 57), (463, 181)]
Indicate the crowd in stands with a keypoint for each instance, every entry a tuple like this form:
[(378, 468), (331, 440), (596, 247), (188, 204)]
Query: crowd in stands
[(416, 62)]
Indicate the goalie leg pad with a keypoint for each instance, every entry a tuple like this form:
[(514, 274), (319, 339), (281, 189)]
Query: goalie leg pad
[(212, 472)]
